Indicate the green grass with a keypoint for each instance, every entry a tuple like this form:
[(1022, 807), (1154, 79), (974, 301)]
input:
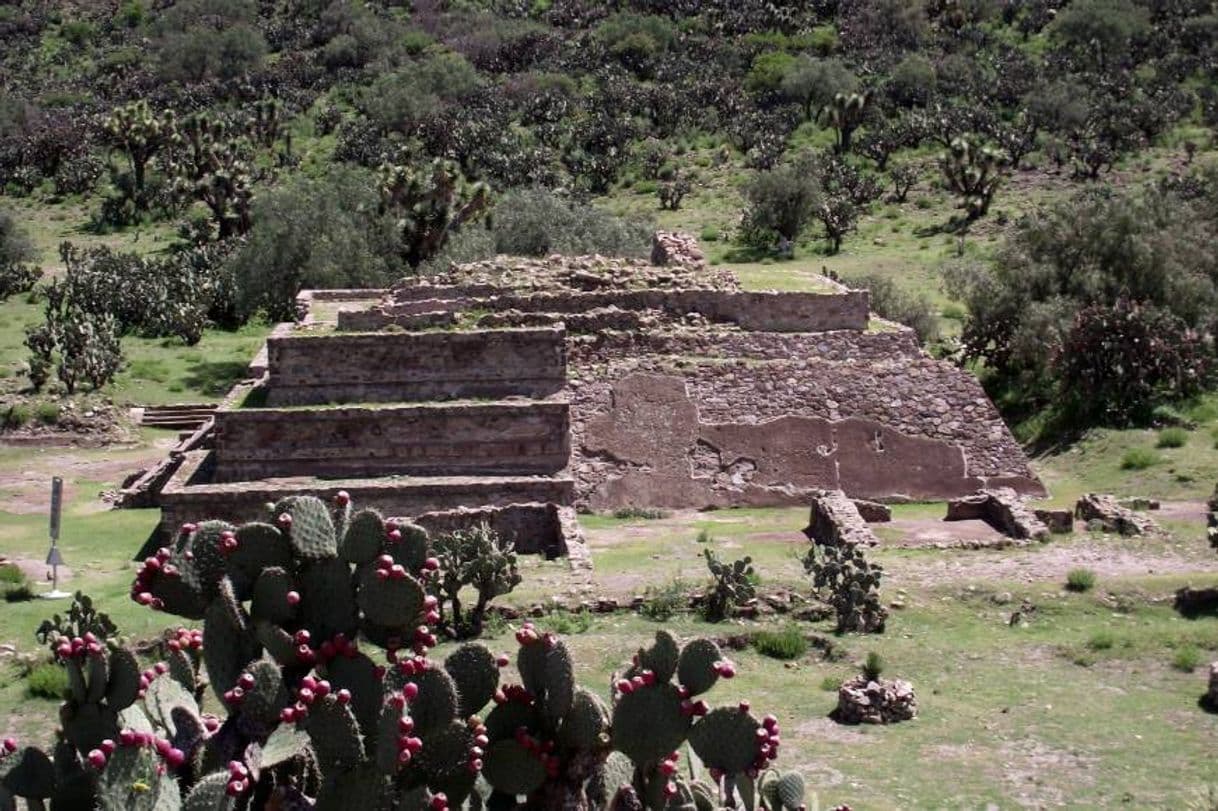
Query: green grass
[(1080, 580), (1186, 659), (1139, 459), (1173, 437), (47, 681), (785, 643)]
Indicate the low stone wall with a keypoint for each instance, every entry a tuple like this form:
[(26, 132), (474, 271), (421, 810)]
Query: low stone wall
[(1111, 516), (191, 495), (534, 529), (416, 366), (836, 521), (1002, 509), (674, 248), (505, 438), (767, 311)]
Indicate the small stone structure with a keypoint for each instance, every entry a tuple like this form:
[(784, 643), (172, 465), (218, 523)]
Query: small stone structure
[(673, 248), (886, 701), (1059, 522), (1112, 516), (1002, 509), (593, 383), (836, 521)]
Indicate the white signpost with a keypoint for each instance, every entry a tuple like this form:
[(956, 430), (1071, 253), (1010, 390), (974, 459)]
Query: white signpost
[(54, 559)]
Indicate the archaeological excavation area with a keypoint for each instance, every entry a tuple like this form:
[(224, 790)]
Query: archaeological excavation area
[(524, 391)]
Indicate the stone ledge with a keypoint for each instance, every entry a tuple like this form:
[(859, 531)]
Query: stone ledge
[(1002, 509)]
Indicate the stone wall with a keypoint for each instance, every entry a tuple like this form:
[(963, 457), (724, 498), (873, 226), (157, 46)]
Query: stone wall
[(645, 441), (766, 311), (673, 248), (1002, 509), (836, 521), (191, 494), (517, 438), (411, 367)]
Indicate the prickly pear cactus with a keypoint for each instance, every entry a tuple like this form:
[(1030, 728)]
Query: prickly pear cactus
[(289, 607), (563, 747), (731, 585), (850, 583)]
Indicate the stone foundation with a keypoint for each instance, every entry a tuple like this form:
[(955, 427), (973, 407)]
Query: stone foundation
[(836, 521), (1002, 509), (1112, 516), (862, 701)]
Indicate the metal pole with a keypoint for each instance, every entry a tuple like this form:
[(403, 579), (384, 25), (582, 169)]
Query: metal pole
[(54, 558)]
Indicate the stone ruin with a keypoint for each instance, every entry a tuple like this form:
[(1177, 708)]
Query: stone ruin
[(861, 700), (529, 388)]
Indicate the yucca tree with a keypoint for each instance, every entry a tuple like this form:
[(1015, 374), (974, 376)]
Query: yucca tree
[(845, 115)]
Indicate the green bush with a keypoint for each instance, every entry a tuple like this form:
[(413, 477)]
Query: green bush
[(1139, 459), (47, 412), (789, 643), (873, 666), (16, 415), (47, 681), (19, 594), (896, 303), (1080, 580), (660, 603), (568, 622), (830, 684), (538, 222), (1186, 659), (1101, 640), (10, 574), (1172, 438)]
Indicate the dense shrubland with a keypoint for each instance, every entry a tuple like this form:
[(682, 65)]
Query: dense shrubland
[(256, 126)]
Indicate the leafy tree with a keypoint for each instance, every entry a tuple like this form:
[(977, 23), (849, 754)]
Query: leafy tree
[(815, 82), (636, 40), (538, 222), (768, 72), (1119, 361), (912, 82), (313, 233), (205, 39), (1103, 28), (781, 203), (17, 275)]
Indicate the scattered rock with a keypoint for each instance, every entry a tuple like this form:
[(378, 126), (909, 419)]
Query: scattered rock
[(1112, 516)]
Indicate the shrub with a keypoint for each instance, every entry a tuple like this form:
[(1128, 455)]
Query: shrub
[(830, 684), (1080, 580), (731, 586), (568, 622), (814, 82), (47, 681), (313, 234), (896, 303), (660, 603), (11, 574), (873, 666), (789, 643), (1186, 659), (22, 593), (1174, 437), (781, 202), (16, 416), (1139, 459), (843, 577), (17, 275), (538, 222), (474, 558), (1101, 640)]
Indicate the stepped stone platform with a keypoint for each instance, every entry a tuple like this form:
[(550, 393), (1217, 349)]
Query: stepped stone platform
[(540, 386)]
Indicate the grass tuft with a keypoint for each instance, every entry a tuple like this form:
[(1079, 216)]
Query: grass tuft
[(873, 666), (1139, 459), (47, 681), (1186, 659), (1174, 437), (642, 513), (788, 643), (1101, 640), (1080, 580)]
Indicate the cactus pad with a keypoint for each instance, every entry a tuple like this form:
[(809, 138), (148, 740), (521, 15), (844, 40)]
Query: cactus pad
[(436, 704), (696, 667), (473, 669), (512, 769), (726, 739), (786, 791), (130, 781), (335, 735), (391, 602), (585, 723), (312, 529), (445, 754), (123, 687), (259, 547), (329, 605), (226, 649), (182, 669), (364, 538), (270, 592), (662, 657), (548, 674), (506, 718), (87, 725), (96, 670), (162, 697), (267, 697), (648, 723), (209, 794), (29, 774), (358, 675)]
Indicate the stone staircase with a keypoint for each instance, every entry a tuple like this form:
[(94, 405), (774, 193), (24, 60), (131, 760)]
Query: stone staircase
[(187, 417)]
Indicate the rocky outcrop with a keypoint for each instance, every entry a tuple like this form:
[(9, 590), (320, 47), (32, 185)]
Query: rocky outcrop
[(886, 701), (1112, 517), (836, 521), (1002, 509)]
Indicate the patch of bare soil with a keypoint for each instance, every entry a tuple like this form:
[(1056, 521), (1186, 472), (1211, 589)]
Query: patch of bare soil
[(25, 482), (919, 532), (1039, 775)]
